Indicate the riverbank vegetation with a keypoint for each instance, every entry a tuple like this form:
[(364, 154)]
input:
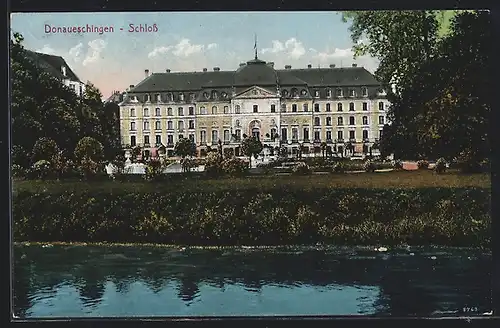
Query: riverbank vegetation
[(277, 215)]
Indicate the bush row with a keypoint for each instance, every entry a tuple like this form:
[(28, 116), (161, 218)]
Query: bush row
[(446, 216)]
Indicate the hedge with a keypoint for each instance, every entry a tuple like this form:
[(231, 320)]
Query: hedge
[(277, 216)]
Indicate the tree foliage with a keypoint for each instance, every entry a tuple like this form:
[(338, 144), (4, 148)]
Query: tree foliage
[(185, 147), (89, 148), (251, 146), (44, 149)]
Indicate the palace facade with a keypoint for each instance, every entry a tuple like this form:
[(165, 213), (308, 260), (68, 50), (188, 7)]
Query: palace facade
[(292, 108)]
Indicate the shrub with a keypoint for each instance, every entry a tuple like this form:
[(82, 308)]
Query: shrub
[(440, 166), (397, 165), (18, 171), (301, 169), (422, 164), (154, 170), (369, 166), (213, 162), (339, 167), (88, 168), (234, 167), (89, 148), (44, 149), (42, 169)]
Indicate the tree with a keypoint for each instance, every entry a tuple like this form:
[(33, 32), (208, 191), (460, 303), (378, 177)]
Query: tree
[(89, 148), (185, 147), (251, 146), (44, 148)]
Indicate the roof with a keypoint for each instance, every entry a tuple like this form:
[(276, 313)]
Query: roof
[(256, 72), (52, 64)]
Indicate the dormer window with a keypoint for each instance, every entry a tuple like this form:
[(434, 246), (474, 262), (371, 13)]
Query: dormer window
[(224, 95), (192, 96), (181, 97), (214, 94), (329, 93), (134, 98), (339, 93), (206, 95), (352, 93), (303, 92), (364, 91), (316, 93), (170, 97), (146, 98), (158, 97), (285, 93), (283, 107)]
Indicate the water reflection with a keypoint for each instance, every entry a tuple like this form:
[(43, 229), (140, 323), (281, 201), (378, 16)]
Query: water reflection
[(121, 281)]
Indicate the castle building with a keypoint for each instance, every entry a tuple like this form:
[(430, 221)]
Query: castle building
[(307, 109)]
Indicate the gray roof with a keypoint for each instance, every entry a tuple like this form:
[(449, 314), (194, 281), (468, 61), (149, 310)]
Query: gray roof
[(258, 72), (52, 65)]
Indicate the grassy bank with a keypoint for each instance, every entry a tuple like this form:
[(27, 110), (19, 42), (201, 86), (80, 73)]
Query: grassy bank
[(415, 208)]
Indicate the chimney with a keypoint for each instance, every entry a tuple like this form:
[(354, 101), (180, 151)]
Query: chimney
[(168, 70), (63, 70), (242, 64), (216, 69), (146, 72), (309, 66), (354, 65), (204, 70), (288, 67), (332, 65)]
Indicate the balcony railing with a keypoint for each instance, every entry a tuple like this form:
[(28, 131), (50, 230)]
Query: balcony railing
[(329, 141), (339, 140)]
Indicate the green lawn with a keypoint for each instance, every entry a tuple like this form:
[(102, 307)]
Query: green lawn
[(396, 179)]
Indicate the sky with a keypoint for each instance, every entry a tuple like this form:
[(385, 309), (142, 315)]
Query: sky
[(187, 42)]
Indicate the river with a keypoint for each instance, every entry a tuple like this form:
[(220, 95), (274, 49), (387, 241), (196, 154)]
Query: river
[(115, 281)]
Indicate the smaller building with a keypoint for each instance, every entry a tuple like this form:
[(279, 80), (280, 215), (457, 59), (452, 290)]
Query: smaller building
[(57, 67)]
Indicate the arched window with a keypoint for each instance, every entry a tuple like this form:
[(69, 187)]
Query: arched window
[(214, 94), (364, 91), (214, 110), (317, 121), (146, 125), (237, 109), (340, 121), (215, 135), (351, 106), (328, 121), (339, 107), (132, 126), (181, 111), (181, 125), (132, 112), (339, 92), (158, 97), (158, 112), (294, 108), (380, 106), (203, 110), (170, 97), (146, 98), (351, 120), (328, 107), (170, 125), (365, 120), (146, 112), (157, 125)]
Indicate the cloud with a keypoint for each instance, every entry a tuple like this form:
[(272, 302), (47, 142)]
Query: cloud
[(182, 49), (292, 48), (94, 53), (76, 52), (46, 49)]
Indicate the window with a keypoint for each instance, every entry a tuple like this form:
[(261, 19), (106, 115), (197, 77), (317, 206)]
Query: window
[(365, 134), (158, 139), (303, 92), (214, 94), (170, 125), (295, 93), (316, 107), (146, 125), (237, 134), (146, 140), (203, 136), (191, 137), (203, 110), (339, 107), (181, 111), (158, 97), (255, 108), (206, 95), (191, 124), (169, 111), (192, 96), (181, 136), (316, 93), (191, 110), (364, 92), (132, 126), (380, 120), (352, 134), (237, 109), (273, 133), (328, 135), (226, 109), (146, 112), (157, 125), (283, 134), (146, 98), (295, 134), (227, 135), (351, 107), (380, 106), (294, 108), (328, 121), (180, 125), (214, 110), (317, 136), (181, 97), (158, 112), (305, 107), (317, 121), (170, 97), (340, 121), (365, 106), (339, 92), (273, 108), (328, 107), (340, 135), (170, 139), (352, 93), (365, 120), (380, 133), (306, 134), (351, 120), (215, 136), (329, 93), (133, 141), (132, 112)]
